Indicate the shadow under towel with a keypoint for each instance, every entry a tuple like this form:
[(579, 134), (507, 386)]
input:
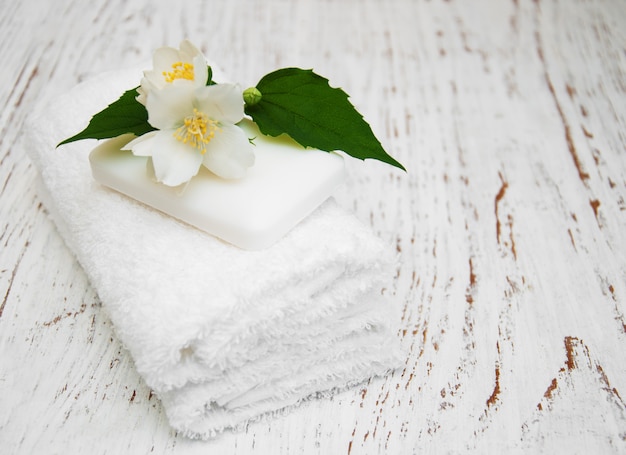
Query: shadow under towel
[(222, 335)]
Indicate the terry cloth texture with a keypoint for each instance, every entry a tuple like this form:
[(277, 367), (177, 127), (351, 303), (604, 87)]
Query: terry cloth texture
[(222, 335)]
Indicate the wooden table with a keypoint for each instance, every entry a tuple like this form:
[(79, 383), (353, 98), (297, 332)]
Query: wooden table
[(510, 117)]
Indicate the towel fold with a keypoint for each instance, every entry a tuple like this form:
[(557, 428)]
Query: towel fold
[(222, 335)]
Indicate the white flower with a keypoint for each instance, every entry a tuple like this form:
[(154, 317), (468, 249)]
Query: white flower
[(185, 66), (193, 129)]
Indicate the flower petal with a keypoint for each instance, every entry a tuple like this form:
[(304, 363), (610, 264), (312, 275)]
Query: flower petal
[(188, 51), (142, 93), (229, 153), (142, 145), (200, 71), (168, 107), (163, 58), (221, 102), (174, 162)]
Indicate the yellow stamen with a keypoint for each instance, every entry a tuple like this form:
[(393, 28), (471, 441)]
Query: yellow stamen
[(197, 130), (180, 70)]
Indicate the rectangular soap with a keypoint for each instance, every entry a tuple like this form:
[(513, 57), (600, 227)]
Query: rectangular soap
[(286, 183)]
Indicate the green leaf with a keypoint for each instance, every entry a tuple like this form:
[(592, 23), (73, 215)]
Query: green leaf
[(303, 105), (126, 115), (209, 79)]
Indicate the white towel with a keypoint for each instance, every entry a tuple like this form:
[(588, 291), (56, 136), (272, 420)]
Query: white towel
[(223, 336)]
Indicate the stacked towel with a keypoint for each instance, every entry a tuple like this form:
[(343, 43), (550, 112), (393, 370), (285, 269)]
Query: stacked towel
[(222, 335)]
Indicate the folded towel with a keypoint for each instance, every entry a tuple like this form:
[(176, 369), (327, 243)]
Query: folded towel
[(222, 335)]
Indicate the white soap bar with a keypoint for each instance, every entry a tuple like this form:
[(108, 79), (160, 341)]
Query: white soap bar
[(286, 183)]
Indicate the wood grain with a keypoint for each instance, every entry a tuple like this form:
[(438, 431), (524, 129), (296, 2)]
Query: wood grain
[(510, 119)]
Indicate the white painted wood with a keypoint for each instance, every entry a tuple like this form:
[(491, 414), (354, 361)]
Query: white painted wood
[(510, 118)]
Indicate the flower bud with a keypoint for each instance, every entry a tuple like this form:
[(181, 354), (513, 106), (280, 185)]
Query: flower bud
[(252, 96)]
